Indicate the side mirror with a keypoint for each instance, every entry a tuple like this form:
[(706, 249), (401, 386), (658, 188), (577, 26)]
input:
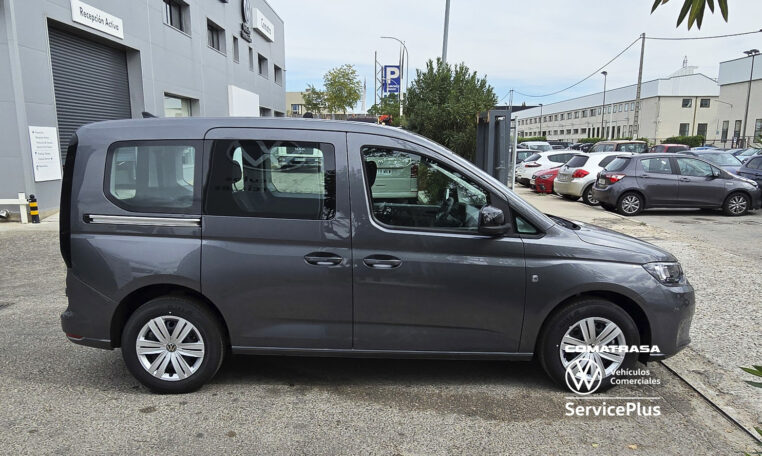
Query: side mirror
[(492, 221)]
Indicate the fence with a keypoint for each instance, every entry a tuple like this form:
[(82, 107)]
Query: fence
[(22, 203)]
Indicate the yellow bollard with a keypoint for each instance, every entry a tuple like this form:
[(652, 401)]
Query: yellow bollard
[(33, 209)]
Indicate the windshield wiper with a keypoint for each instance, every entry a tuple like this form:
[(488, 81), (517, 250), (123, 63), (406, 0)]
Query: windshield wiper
[(563, 222)]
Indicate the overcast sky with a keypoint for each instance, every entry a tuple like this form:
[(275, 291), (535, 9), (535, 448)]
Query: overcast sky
[(532, 46)]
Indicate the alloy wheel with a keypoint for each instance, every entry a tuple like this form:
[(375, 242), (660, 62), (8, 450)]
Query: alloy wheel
[(170, 348), (590, 198), (588, 334), (737, 204), (630, 204)]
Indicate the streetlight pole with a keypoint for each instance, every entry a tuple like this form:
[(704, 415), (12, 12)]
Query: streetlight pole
[(603, 106), (405, 63), (540, 119), (446, 30), (752, 53)]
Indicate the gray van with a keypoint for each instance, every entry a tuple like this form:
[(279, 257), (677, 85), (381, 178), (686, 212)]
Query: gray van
[(186, 240)]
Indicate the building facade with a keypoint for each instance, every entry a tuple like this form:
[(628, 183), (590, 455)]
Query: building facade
[(295, 104), (65, 63), (680, 105), (740, 110)]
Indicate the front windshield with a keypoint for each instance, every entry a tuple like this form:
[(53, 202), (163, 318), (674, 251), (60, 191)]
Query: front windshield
[(722, 159), (604, 148), (541, 147), (749, 152)]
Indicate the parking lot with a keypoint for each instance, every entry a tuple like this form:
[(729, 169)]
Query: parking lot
[(59, 398)]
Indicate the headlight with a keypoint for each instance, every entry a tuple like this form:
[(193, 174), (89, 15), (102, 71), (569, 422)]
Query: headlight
[(666, 273)]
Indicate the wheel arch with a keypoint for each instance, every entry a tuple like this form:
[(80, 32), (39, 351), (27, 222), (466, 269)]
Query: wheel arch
[(130, 303), (633, 190), (633, 309)]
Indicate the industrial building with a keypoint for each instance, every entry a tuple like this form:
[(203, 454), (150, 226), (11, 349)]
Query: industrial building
[(65, 63)]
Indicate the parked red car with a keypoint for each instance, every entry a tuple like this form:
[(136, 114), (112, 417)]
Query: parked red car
[(542, 181)]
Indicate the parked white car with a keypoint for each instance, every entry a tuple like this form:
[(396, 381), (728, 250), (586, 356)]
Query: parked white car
[(577, 176), (540, 162), (539, 146)]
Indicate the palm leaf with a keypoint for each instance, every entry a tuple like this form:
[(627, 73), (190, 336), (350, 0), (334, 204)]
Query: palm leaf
[(684, 12), (723, 8)]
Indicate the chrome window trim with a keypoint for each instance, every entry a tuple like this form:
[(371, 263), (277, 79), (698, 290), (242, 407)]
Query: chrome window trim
[(145, 221)]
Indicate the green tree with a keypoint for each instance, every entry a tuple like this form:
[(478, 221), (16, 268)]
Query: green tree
[(343, 88), (443, 102), (314, 100), (694, 10), (389, 105)]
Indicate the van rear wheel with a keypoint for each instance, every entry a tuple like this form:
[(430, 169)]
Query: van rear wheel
[(572, 344), (172, 345)]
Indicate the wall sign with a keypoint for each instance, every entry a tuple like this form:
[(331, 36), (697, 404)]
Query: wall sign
[(263, 26), (46, 158), (391, 79), (246, 24), (97, 19)]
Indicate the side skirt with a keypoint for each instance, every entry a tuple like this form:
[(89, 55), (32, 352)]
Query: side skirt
[(401, 354)]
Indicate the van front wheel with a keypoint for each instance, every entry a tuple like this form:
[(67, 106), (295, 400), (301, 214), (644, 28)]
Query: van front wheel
[(172, 345), (577, 344)]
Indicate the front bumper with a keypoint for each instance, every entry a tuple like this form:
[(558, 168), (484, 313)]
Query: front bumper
[(670, 314)]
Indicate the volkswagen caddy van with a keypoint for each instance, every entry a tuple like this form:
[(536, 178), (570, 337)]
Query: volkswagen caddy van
[(186, 240)]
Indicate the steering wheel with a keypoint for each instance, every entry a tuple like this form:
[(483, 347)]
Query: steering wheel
[(444, 217)]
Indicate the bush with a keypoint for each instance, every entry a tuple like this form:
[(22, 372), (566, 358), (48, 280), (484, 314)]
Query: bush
[(531, 138), (590, 140), (690, 141)]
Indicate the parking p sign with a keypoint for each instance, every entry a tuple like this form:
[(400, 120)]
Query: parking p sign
[(391, 79)]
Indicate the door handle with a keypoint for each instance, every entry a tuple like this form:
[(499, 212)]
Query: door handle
[(323, 259), (645, 176), (382, 262), (684, 179)]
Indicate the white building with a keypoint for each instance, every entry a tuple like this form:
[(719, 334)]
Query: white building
[(734, 79), (683, 104)]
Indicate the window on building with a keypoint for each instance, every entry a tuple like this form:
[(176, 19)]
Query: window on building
[(236, 55), (555, 117), (576, 131), (175, 14), (583, 130), (277, 74), (251, 59), (265, 112), (584, 113), (618, 132), (684, 129), (296, 109), (701, 129), (704, 103), (175, 106), (215, 36), (632, 106), (262, 65), (725, 128), (568, 131), (260, 182), (621, 107), (152, 176), (576, 114), (737, 129), (757, 129), (626, 107), (687, 102), (599, 111)]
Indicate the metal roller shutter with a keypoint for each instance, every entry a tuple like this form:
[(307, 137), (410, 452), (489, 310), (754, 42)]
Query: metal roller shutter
[(90, 81)]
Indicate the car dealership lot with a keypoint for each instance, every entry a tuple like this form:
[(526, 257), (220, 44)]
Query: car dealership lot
[(61, 398)]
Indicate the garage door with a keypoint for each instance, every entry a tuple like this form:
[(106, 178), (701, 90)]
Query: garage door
[(90, 81)]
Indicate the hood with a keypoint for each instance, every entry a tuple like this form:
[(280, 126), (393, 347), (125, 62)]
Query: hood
[(632, 249), (733, 169)]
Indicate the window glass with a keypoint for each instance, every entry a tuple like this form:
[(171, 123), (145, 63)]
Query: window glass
[(577, 161), (606, 161), (618, 164), (657, 165), (704, 103), (274, 179), (721, 158), (411, 190), (533, 157), (558, 158), (524, 227), (692, 167), (608, 147), (152, 177), (684, 127), (687, 102), (755, 163)]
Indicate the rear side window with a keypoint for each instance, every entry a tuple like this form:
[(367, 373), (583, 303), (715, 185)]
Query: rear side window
[(152, 176), (558, 158), (577, 161), (618, 164), (272, 179), (657, 165), (677, 149), (606, 160), (531, 158)]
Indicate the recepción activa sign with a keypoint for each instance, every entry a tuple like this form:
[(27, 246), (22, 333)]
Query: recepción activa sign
[(97, 19)]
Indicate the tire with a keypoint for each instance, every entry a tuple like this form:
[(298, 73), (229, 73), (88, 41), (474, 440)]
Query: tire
[(587, 196), (736, 204), (570, 197), (608, 207), (630, 204), (172, 311), (566, 320)]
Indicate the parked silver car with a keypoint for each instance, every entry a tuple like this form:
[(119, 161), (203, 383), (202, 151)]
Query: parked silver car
[(576, 177)]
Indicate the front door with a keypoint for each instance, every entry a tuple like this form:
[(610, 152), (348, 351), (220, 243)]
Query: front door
[(276, 256), (424, 279), (700, 184), (658, 181)]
